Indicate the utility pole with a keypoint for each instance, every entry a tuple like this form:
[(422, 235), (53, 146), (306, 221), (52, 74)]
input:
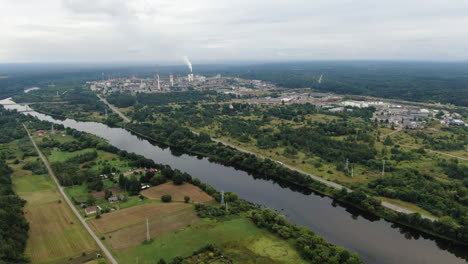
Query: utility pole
[(147, 231), (347, 165), (383, 167)]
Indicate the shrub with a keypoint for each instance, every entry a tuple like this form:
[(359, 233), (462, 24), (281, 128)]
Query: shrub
[(186, 199), (166, 198)]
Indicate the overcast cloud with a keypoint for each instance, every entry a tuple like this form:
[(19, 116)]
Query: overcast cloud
[(216, 30)]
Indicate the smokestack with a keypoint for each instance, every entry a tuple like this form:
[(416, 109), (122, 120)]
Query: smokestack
[(171, 78), (159, 87), (188, 63)]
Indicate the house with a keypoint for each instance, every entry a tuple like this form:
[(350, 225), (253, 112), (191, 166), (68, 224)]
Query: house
[(40, 133), (113, 199), (92, 210)]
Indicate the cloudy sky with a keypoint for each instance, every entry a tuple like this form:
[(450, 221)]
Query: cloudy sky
[(159, 31)]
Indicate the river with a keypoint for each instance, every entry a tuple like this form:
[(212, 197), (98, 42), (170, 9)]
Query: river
[(374, 239)]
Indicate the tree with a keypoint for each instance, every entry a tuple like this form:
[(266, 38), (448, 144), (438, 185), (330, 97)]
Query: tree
[(186, 199), (91, 200), (388, 141), (133, 186), (166, 198), (177, 179), (157, 180), (231, 197), (107, 194), (162, 261)]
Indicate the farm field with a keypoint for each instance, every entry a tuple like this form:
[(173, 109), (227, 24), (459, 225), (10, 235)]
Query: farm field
[(239, 239), (178, 192), (55, 234), (126, 228)]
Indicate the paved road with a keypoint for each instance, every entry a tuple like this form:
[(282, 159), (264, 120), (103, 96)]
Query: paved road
[(315, 177), (52, 174), (114, 109)]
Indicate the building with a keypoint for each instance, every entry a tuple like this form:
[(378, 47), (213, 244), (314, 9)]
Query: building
[(40, 133), (113, 199), (92, 210)]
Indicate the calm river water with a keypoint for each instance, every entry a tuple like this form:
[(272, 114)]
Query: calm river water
[(374, 239)]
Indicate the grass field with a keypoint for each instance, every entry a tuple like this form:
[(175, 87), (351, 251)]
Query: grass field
[(62, 155), (178, 192), (55, 233), (406, 205), (239, 239), (126, 228)]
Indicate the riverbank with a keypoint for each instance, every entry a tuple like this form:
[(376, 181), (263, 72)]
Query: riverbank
[(412, 220), (335, 221)]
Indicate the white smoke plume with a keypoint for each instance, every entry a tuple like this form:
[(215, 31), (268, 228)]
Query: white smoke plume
[(187, 61)]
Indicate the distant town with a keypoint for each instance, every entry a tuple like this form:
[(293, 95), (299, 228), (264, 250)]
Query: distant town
[(395, 115)]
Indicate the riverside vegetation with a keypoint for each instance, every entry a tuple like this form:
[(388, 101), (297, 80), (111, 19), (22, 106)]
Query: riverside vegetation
[(79, 159)]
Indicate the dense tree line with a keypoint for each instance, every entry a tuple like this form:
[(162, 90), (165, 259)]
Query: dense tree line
[(127, 99), (13, 225), (416, 81)]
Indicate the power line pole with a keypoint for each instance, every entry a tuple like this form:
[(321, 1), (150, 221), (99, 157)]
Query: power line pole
[(147, 231), (347, 166), (383, 167)]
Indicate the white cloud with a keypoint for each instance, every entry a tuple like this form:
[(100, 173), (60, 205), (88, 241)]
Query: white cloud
[(217, 30)]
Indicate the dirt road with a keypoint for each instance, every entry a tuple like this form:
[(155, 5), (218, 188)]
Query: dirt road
[(52, 174)]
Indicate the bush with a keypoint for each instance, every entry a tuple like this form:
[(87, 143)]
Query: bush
[(187, 199), (166, 198)]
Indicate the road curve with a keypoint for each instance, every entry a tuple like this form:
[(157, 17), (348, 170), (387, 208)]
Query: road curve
[(52, 174), (114, 109)]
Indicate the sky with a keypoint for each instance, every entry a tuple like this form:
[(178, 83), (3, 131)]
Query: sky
[(155, 31)]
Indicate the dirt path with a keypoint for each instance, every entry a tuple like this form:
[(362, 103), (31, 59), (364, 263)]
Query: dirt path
[(114, 109), (52, 174), (391, 133)]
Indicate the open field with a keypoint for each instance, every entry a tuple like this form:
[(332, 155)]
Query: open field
[(239, 239), (126, 228), (178, 192), (406, 205), (55, 233), (63, 156)]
